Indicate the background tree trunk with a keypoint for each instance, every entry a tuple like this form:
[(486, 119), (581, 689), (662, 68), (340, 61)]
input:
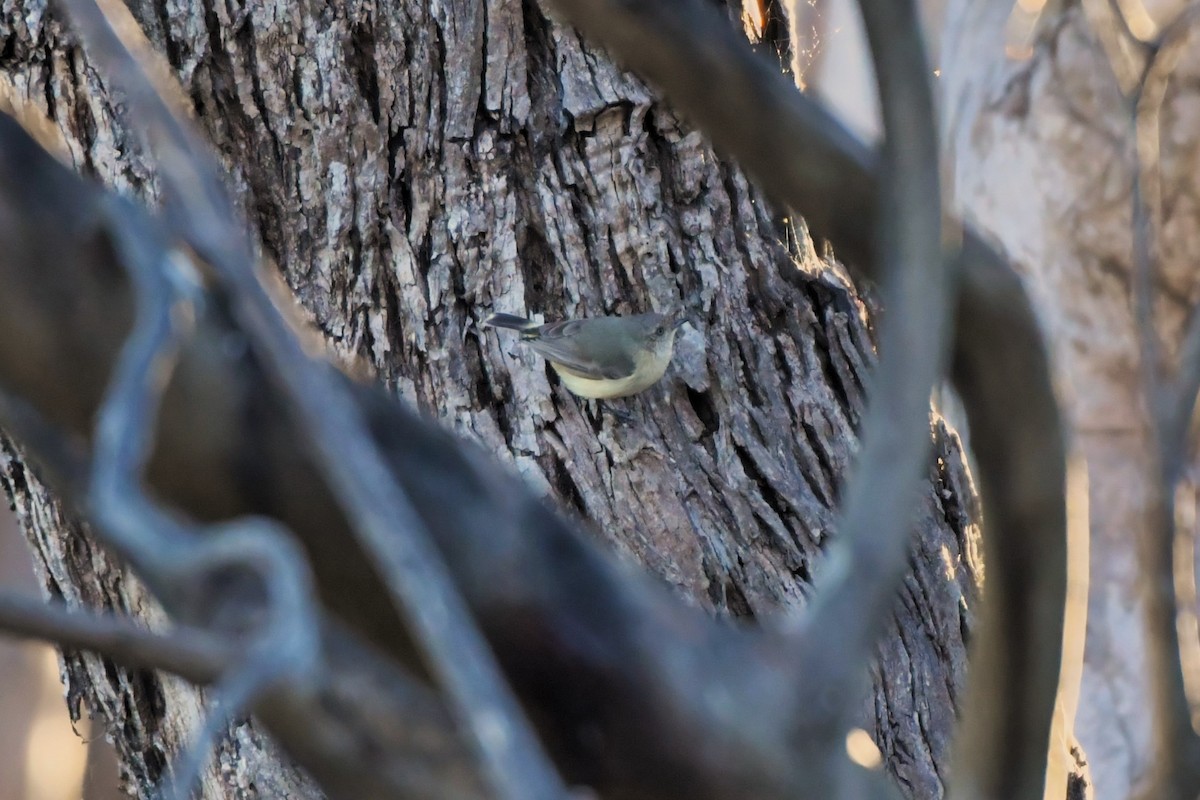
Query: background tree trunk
[(411, 167), (1042, 148)]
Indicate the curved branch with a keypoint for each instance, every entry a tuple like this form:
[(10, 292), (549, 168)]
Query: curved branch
[(1176, 772), (825, 174), (350, 688), (1002, 371), (563, 618), (867, 563), (381, 514), (809, 162)]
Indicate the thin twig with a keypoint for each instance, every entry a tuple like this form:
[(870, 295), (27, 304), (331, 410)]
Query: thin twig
[(154, 542), (175, 557), (355, 689), (285, 645), (190, 653), (382, 515)]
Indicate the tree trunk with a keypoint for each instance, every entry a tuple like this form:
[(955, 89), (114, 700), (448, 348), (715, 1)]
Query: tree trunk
[(1043, 154), (411, 169)]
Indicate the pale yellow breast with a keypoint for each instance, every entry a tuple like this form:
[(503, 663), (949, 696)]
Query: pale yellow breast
[(649, 369)]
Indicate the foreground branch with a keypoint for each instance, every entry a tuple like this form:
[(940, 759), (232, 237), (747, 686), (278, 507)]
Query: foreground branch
[(561, 618), (869, 559), (1175, 774), (349, 688), (189, 653), (564, 620), (1002, 371), (809, 162), (380, 513)]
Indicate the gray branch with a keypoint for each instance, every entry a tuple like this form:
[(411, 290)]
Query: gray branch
[(808, 161), (714, 704), (382, 516), (868, 561), (1175, 774), (190, 653)]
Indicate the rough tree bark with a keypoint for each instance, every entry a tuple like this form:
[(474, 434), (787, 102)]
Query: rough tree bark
[(412, 167), (1043, 153)]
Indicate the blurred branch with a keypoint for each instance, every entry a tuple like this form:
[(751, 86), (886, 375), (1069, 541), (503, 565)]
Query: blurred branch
[(867, 562), (178, 558), (382, 516), (348, 695), (349, 688), (363, 727), (519, 567), (1002, 371), (1169, 404), (1125, 52), (806, 160), (190, 653), (563, 618)]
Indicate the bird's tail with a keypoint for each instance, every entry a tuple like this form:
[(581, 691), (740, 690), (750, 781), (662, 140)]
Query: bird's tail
[(510, 321)]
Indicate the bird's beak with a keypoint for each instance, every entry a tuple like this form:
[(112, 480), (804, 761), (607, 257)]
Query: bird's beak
[(679, 323)]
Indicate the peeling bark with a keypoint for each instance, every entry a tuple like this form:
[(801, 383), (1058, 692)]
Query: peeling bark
[(411, 169)]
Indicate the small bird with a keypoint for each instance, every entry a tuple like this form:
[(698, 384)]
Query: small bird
[(601, 357)]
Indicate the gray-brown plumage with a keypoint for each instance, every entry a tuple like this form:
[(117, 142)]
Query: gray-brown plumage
[(600, 357)]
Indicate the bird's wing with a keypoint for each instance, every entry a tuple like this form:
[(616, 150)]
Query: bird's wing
[(554, 343)]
